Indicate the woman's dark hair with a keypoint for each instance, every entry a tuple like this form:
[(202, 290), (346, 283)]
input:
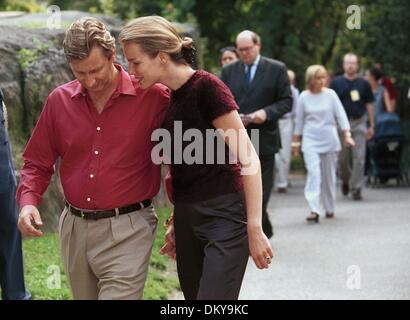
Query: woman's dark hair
[(229, 48), (376, 73), (187, 53)]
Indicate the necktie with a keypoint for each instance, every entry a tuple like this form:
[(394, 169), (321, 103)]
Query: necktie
[(248, 75)]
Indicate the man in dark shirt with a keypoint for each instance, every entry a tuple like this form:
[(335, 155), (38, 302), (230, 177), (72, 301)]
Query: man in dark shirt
[(262, 91), (100, 125), (357, 99), (11, 257)]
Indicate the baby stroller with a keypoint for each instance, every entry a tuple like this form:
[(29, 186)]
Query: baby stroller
[(385, 152)]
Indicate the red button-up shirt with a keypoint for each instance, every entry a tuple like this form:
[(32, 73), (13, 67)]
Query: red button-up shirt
[(105, 158)]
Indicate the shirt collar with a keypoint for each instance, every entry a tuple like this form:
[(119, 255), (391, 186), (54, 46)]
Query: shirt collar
[(125, 85), (255, 63)]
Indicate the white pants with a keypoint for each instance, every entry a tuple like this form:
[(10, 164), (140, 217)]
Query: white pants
[(321, 180), (283, 157)]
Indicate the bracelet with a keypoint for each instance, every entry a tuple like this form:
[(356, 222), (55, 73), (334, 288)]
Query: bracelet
[(295, 144)]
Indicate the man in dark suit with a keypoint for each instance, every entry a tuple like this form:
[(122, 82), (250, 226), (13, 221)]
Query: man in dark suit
[(11, 258), (261, 89)]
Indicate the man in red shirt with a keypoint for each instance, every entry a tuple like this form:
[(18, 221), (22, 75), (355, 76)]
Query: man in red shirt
[(100, 126)]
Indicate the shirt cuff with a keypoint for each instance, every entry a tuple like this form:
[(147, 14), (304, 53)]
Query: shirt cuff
[(269, 116), (29, 199)]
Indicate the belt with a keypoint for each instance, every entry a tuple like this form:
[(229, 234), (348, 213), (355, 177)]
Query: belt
[(101, 214)]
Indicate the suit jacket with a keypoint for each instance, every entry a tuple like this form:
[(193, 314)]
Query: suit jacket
[(269, 90)]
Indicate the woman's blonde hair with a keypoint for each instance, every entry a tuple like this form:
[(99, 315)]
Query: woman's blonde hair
[(312, 72), (156, 34), (83, 35)]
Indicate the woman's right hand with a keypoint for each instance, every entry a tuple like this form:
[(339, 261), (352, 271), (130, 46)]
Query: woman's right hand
[(349, 142), (260, 248), (169, 246)]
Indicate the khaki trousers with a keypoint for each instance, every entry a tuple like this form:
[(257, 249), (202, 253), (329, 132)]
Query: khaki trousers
[(352, 160), (107, 258)]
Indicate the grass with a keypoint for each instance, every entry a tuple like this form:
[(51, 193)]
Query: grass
[(45, 278), (44, 273), (297, 164), (160, 282)]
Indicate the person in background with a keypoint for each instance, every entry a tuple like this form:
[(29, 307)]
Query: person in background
[(387, 83), (11, 256), (319, 113), (357, 99), (228, 55), (261, 89), (382, 101), (286, 126)]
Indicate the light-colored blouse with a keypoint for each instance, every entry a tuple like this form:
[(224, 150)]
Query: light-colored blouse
[(317, 117)]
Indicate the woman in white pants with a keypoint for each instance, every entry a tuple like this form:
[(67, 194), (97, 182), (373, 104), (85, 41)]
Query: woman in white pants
[(318, 113)]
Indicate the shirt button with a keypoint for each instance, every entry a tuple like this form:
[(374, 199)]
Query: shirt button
[(91, 176), (98, 128), (96, 152), (88, 199)]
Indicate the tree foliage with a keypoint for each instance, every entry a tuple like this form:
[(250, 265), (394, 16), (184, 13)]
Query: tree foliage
[(298, 32)]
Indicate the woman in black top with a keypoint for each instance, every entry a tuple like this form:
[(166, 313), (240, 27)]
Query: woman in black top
[(217, 191)]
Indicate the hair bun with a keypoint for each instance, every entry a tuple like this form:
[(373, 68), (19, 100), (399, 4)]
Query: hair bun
[(187, 43), (188, 50)]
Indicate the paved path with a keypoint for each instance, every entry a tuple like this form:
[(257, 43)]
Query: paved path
[(372, 237)]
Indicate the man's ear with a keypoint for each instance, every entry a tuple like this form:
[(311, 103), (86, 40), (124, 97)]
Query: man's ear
[(112, 56)]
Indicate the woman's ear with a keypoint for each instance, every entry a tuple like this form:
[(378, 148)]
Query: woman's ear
[(163, 57)]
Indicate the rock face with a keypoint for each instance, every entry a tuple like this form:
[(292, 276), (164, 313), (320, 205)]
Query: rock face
[(32, 64)]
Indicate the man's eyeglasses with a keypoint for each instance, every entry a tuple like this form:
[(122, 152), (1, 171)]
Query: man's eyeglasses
[(246, 49)]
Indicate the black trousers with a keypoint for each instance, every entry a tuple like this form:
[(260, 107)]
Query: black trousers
[(212, 247), (11, 257), (267, 166)]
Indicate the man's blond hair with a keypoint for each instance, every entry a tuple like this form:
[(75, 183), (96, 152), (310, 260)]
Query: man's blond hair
[(83, 35)]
